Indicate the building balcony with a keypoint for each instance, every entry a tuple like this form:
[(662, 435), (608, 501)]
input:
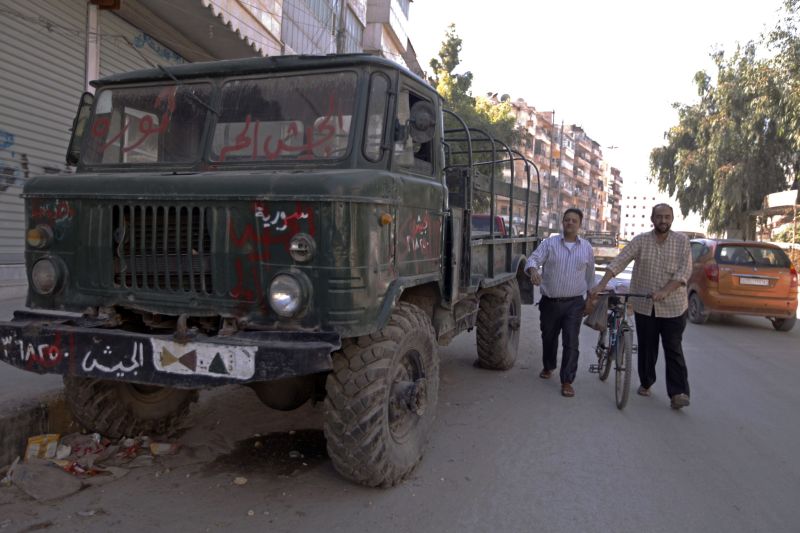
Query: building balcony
[(386, 32)]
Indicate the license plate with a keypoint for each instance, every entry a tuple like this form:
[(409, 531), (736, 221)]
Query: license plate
[(754, 281)]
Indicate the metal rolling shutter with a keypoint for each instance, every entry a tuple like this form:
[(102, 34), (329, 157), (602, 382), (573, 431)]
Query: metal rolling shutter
[(41, 80), (124, 47)]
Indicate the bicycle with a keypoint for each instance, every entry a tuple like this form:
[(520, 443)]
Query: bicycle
[(619, 337)]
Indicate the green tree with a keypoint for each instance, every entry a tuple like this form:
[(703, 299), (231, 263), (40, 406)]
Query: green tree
[(456, 89), (739, 142), (784, 41)]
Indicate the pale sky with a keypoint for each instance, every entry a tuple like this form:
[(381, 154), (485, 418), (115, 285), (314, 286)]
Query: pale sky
[(613, 67)]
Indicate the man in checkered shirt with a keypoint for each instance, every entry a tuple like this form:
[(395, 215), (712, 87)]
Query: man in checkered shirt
[(662, 268)]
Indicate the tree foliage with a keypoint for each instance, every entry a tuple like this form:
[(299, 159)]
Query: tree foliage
[(456, 89), (740, 141)]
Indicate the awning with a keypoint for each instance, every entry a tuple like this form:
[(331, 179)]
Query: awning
[(200, 30)]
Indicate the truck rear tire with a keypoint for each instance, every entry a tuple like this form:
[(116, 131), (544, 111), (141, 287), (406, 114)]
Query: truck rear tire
[(498, 326), (381, 399), (116, 409)]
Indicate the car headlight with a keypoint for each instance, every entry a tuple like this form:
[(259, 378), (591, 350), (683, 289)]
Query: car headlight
[(286, 295), (45, 276)]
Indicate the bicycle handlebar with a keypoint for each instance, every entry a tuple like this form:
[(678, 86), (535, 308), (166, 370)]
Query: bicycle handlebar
[(625, 294)]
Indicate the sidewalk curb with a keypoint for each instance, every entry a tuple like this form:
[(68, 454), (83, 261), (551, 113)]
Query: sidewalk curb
[(48, 414)]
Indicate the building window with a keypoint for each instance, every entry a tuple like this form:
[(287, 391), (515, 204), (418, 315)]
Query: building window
[(353, 33)]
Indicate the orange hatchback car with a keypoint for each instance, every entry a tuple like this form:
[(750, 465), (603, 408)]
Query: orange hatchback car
[(742, 278)]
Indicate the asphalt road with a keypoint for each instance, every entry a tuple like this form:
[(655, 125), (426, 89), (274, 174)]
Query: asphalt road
[(508, 454)]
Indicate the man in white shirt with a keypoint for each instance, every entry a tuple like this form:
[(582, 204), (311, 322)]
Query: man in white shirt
[(567, 273)]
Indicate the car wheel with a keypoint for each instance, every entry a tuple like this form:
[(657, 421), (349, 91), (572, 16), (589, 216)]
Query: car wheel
[(783, 324), (697, 311)]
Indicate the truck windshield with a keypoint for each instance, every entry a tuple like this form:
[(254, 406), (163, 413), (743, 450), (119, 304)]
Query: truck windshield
[(146, 125), (285, 118)]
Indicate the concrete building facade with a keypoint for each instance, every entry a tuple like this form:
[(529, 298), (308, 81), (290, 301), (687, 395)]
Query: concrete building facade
[(637, 204)]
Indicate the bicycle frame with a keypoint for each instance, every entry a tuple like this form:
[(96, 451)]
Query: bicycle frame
[(618, 345)]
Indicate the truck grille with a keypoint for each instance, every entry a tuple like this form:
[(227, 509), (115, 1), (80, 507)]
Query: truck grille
[(162, 248)]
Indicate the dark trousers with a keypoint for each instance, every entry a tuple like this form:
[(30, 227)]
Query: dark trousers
[(648, 330), (561, 316)]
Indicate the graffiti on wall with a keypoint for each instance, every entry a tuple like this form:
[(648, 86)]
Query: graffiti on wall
[(15, 166), (142, 41)]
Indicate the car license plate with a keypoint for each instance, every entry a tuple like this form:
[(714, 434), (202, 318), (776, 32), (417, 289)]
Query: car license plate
[(754, 281)]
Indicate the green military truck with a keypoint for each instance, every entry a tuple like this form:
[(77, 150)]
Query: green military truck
[(299, 225)]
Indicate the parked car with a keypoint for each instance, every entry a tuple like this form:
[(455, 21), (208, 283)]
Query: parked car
[(742, 278), (480, 225)]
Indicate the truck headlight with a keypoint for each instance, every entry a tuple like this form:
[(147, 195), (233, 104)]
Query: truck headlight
[(286, 295), (46, 276), (39, 237)]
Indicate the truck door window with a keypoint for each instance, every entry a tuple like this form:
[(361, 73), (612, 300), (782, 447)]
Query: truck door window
[(286, 118), (376, 116), (410, 154)]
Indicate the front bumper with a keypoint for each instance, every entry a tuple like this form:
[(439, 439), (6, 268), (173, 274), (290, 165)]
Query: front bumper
[(53, 344)]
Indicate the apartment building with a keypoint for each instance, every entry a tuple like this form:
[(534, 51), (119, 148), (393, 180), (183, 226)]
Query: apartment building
[(52, 49), (572, 171), (637, 205)]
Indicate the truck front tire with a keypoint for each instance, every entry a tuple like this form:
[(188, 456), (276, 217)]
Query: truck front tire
[(116, 409), (498, 324), (381, 399)]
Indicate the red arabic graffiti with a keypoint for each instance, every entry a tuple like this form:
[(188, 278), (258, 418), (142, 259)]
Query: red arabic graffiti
[(256, 245), (419, 238), (59, 211), (102, 125), (317, 137)]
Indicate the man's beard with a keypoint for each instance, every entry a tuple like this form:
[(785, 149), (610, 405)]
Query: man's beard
[(658, 230)]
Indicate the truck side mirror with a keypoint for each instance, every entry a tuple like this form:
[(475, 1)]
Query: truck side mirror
[(422, 124), (79, 127)]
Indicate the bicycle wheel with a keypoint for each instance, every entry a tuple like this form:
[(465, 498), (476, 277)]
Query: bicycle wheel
[(603, 358), (624, 362)]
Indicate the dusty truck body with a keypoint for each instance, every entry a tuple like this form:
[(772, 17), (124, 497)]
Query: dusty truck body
[(298, 225)]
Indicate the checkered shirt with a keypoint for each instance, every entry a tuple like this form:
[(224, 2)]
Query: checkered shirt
[(657, 263)]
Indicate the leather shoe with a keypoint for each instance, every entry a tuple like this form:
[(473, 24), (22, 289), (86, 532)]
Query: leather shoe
[(643, 391), (679, 401), (545, 374), (567, 390)]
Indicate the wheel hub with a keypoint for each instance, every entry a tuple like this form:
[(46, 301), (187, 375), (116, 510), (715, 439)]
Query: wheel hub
[(408, 395)]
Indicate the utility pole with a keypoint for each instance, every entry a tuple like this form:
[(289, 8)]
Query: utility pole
[(340, 27), (560, 156), (550, 174)]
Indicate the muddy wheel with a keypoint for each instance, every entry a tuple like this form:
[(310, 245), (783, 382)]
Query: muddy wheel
[(498, 326), (381, 399), (115, 409)]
